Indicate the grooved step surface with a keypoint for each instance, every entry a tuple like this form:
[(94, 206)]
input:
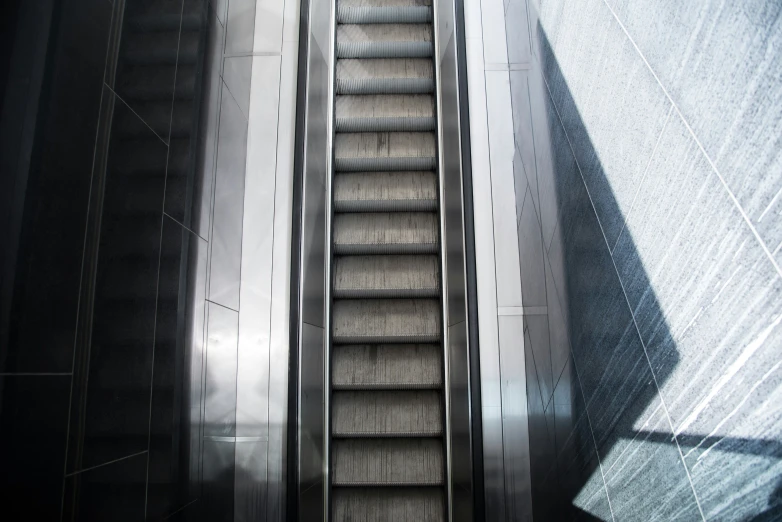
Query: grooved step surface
[(386, 365), (386, 233), (384, 112), (387, 361), (384, 41), (392, 75), (386, 276), (388, 505), (375, 12), (365, 321), (385, 191), (378, 151), (387, 462), (386, 412)]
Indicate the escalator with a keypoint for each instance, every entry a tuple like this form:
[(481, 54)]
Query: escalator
[(387, 424)]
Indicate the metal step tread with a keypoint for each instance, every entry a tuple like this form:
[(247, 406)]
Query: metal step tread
[(386, 411), (387, 462), (382, 12), (384, 41), (384, 75), (375, 321), (388, 504), (385, 190), (386, 276), (384, 151), (386, 366), (384, 112), (386, 233)]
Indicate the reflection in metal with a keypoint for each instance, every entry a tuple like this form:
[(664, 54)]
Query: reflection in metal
[(311, 315)]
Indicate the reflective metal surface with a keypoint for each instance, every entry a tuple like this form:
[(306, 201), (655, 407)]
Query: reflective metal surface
[(311, 451), (457, 355)]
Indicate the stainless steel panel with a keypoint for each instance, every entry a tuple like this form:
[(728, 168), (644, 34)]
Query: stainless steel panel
[(207, 132), (451, 173), (311, 503), (220, 385), (311, 411), (493, 464), (518, 495), (250, 497), (240, 26), (218, 481), (237, 75), (501, 149), (226, 244), (281, 266), (269, 25), (493, 23), (458, 420), (459, 413), (252, 406), (315, 179)]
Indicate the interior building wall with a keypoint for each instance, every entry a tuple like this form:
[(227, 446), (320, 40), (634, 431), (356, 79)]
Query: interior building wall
[(647, 175), (139, 341)]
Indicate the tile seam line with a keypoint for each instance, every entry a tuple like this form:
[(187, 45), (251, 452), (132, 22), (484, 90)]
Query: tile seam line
[(274, 241), (137, 115), (126, 457), (251, 54), (700, 146), (643, 345), (626, 218), (159, 262), (175, 220), (221, 305), (592, 432)]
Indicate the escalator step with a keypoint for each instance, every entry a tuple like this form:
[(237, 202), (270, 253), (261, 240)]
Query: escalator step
[(386, 366), (390, 76), (381, 151), (386, 413), (387, 462), (388, 505), (386, 233), (385, 112), (385, 191), (386, 277), (375, 321), (384, 11), (384, 41)]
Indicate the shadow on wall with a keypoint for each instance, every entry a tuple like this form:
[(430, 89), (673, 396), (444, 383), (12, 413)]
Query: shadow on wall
[(605, 433)]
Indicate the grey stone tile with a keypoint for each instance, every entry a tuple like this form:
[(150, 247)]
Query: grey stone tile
[(612, 107), (226, 236), (560, 184), (533, 278), (707, 302), (647, 479), (549, 20), (719, 64), (582, 490)]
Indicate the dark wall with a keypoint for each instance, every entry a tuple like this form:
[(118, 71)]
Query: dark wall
[(647, 174), (110, 145)]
